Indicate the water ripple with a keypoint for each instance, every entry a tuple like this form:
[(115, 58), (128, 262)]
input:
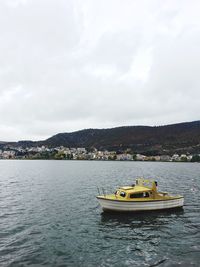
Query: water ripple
[(49, 216)]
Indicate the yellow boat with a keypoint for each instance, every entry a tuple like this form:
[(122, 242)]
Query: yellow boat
[(142, 196)]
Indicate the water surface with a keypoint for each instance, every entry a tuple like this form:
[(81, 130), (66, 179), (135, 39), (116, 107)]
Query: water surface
[(49, 215)]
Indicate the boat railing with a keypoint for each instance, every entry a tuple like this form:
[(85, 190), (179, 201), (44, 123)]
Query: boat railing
[(101, 191), (163, 193)]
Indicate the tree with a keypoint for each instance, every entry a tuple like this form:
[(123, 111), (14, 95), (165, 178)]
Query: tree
[(195, 158), (69, 156), (134, 157), (184, 159), (60, 155)]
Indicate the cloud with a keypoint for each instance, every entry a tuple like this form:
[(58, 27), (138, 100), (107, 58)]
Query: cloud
[(68, 65)]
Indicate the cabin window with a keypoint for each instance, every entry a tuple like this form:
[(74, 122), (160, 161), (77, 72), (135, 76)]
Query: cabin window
[(136, 195), (122, 194), (139, 195)]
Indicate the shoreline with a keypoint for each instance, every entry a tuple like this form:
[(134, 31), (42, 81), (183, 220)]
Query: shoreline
[(99, 160)]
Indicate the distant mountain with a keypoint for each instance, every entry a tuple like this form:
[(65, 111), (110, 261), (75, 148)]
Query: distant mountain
[(160, 139), (168, 139)]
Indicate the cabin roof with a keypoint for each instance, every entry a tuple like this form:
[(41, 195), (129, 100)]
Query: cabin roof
[(135, 189)]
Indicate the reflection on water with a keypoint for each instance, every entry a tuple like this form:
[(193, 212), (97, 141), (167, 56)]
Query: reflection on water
[(142, 218)]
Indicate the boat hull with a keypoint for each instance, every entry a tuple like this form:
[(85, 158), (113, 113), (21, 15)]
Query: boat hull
[(116, 205)]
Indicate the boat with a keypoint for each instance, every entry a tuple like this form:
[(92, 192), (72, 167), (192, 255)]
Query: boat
[(141, 196)]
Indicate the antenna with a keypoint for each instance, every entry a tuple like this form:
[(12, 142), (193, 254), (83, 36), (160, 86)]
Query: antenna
[(98, 190), (103, 192)]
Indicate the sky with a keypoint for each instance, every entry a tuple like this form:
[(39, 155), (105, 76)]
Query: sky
[(67, 65)]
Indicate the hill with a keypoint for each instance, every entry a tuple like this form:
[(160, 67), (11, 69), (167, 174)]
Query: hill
[(149, 140), (181, 137)]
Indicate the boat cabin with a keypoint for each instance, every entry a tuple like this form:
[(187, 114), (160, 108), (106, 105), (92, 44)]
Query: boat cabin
[(142, 189)]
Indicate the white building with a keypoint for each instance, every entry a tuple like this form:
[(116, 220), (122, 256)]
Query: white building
[(175, 157), (124, 157), (140, 157)]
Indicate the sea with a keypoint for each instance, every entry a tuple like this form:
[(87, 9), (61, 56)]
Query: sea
[(49, 215)]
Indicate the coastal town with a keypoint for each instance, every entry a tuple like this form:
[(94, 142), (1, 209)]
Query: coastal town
[(65, 153)]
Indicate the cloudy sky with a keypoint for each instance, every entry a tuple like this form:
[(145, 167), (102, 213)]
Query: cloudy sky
[(73, 64)]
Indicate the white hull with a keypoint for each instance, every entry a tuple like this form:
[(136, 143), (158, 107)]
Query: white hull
[(114, 205)]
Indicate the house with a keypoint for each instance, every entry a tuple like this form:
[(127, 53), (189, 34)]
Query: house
[(165, 158), (175, 157), (140, 157)]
